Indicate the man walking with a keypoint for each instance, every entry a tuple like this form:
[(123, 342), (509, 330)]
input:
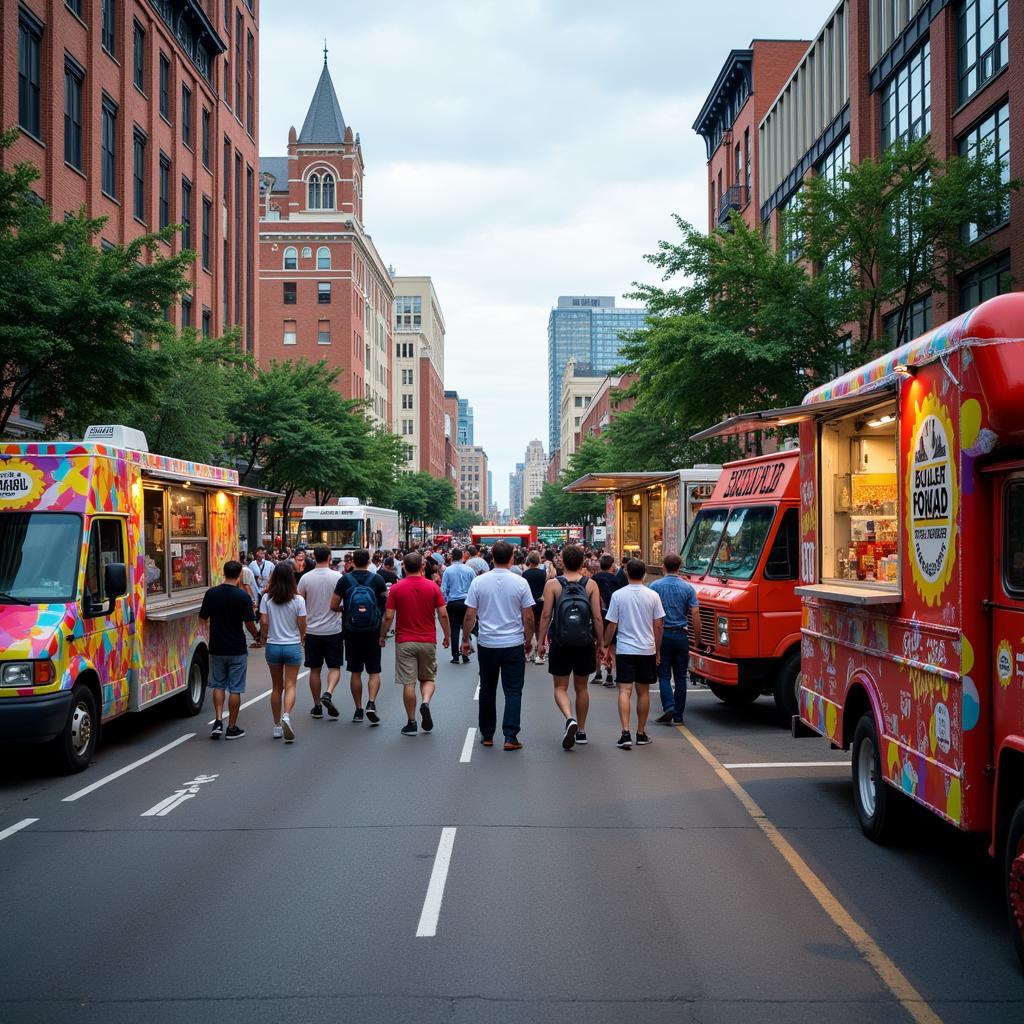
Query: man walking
[(678, 598), (454, 587), (261, 567), (362, 594), (503, 604), (416, 601), (475, 562), (634, 621), (324, 641), (572, 613), (226, 608), (607, 582)]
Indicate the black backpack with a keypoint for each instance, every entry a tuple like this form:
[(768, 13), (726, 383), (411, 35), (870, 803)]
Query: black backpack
[(572, 624), (362, 612)]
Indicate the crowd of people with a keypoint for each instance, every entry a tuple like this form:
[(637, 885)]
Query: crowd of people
[(574, 609)]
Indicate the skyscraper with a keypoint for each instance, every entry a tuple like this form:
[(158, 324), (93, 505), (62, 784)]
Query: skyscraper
[(465, 423), (534, 473), (585, 328)]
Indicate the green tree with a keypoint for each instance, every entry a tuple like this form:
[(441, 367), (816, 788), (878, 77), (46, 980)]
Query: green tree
[(78, 322), (423, 499)]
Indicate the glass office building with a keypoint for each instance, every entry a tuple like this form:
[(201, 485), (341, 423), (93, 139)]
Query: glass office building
[(465, 426), (586, 328)]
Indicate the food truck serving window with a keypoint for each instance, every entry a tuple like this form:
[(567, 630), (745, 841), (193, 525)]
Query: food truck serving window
[(175, 526), (859, 491), (1013, 542)]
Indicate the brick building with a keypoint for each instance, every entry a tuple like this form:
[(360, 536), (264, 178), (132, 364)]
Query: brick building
[(744, 90), (451, 437), (325, 292), (606, 404), (146, 114)]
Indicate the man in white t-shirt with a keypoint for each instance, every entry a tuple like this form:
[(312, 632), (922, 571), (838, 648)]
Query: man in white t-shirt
[(635, 621), (261, 567), (324, 642), (502, 603)]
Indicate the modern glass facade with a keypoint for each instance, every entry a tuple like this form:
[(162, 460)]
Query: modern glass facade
[(587, 329), (465, 423)]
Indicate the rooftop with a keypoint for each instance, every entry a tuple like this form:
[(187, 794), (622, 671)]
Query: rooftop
[(324, 121)]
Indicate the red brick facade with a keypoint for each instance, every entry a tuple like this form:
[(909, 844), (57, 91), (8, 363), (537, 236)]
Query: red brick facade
[(194, 115), (608, 403)]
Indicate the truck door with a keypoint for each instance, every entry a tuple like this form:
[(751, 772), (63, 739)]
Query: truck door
[(1008, 605)]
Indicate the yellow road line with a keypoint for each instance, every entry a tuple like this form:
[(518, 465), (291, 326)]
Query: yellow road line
[(892, 977)]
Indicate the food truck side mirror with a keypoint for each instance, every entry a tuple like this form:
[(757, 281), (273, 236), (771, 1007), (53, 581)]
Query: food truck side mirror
[(115, 580)]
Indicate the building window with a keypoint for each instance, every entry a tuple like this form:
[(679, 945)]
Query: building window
[(165, 87), (907, 100), (990, 138), (227, 169), (408, 311), (406, 401), (108, 25), (207, 210), (139, 175), (186, 214), (74, 5), (289, 332), (139, 57), (746, 150), (207, 318), (836, 160), (984, 282), (919, 320), (290, 295), (313, 201), (186, 311), (30, 37), (323, 258), (791, 239), (323, 293), (327, 197), (238, 65), (206, 137), (307, 252), (407, 378), (982, 43), (73, 115), (165, 192), (291, 261), (186, 115), (250, 85), (108, 147), (323, 332)]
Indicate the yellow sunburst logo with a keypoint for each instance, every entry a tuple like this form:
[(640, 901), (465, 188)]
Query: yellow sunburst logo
[(21, 483), (1004, 663)]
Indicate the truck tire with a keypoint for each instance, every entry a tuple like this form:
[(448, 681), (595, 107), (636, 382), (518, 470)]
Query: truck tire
[(874, 799), (190, 700), (1015, 878), (786, 683), (73, 748), (735, 696)]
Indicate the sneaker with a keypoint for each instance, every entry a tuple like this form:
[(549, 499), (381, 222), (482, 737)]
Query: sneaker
[(428, 721), (316, 711), (286, 728), (328, 702), (609, 683), (465, 659), (569, 736), (358, 716), (625, 741), (455, 660), (597, 678), (409, 729), (371, 713), (217, 731), (277, 732), (234, 732), (678, 721), (513, 745), (581, 739), (642, 739), (665, 718)]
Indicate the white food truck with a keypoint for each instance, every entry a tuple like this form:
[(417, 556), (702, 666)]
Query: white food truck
[(347, 526)]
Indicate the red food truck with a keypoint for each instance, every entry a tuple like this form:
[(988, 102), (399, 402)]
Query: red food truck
[(742, 555), (912, 579)]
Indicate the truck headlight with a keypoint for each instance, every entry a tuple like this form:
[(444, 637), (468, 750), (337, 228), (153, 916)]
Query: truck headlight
[(723, 632), (23, 674)]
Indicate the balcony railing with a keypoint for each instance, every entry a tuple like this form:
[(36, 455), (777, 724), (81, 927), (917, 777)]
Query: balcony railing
[(733, 198)]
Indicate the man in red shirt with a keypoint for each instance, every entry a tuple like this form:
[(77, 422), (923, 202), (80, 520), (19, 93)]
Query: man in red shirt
[(416, 600)]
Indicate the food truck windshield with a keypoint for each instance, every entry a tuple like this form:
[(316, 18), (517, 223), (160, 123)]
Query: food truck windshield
[(39, 557), (335, 533), (727, 543)]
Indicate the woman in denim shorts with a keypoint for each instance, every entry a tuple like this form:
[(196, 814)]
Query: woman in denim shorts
[(283, 630)]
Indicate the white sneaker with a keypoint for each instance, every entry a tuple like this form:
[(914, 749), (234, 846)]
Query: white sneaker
[(286, 726), (277, 732)]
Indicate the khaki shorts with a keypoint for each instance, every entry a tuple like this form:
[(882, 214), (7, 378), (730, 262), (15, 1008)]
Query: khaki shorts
[(415, 661)]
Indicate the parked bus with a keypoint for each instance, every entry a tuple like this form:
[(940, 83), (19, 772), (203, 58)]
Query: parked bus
[(347, 526)]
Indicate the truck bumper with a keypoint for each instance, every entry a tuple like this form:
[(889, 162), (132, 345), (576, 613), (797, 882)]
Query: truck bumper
[(715, 670), (33, 719)]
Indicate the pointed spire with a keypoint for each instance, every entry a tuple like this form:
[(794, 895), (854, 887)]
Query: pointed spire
[(324, 122)]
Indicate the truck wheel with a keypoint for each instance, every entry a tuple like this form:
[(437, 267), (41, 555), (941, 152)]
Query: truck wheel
[(787, 684), (73, 748), (872, 796), (1015, 878), (190, 701), (735, 696)]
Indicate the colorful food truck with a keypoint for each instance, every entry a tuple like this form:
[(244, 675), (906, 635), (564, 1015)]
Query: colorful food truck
[(105, 553), (647, 515), (912, 570), (742, 556)]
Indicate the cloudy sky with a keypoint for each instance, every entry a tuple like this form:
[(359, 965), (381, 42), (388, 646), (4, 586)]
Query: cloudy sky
[(516, 153)]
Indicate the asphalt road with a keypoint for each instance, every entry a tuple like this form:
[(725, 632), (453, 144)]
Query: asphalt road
[(595, 885)]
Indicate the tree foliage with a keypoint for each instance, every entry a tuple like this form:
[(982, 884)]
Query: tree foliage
[(422, 498)]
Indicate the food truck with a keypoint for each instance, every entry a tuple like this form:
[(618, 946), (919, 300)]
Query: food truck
[(106, 550), (487, 534), (347, 526), (742, 556), (648, 515), (912, 579)]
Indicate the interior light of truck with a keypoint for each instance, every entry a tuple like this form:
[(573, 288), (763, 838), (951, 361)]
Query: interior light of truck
[(904, 371), (882, 420), (723, 632)]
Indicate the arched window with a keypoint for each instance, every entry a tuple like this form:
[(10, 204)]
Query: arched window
[(314, 192), (291, 259), (307, 252), (323, 258), (328, 193)]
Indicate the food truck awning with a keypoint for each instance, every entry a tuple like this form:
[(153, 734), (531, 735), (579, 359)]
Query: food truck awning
[(607, 483), (212, 485), (786, 417)]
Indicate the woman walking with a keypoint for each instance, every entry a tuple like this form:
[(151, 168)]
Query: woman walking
[(283, 630)]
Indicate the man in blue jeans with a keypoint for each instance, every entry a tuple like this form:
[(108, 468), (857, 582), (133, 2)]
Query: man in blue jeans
[(678, 598)]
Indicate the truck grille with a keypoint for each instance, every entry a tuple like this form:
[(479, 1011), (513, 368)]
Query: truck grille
[(708, 618)]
